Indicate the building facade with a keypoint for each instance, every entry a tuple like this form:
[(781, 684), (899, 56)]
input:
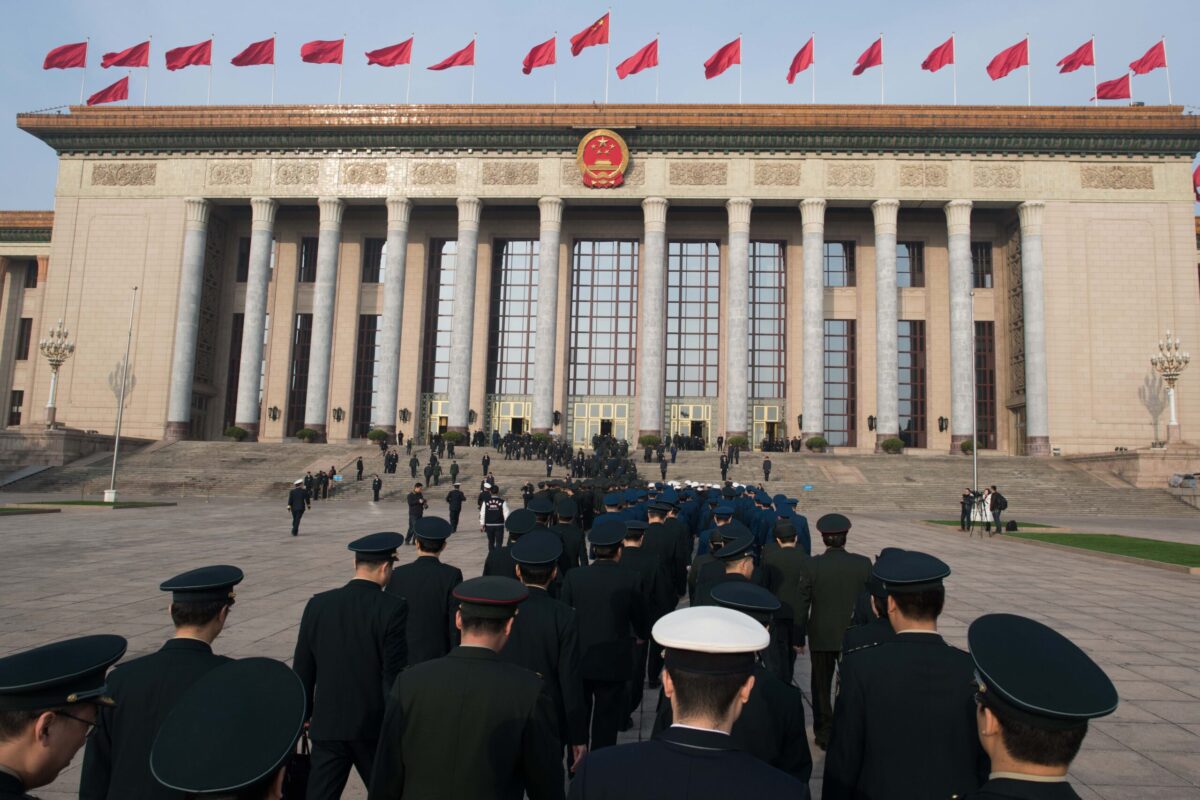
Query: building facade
[(857, 272)]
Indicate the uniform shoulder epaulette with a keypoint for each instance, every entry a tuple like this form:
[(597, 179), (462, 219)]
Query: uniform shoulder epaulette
[(866, 646)]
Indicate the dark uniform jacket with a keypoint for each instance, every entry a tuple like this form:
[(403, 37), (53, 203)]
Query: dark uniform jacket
[(574, 546), (612, 607), (352, 644), (672, 551), (681, 764), (500, 562), (904, 723), (116, 763), (826, 596), (11, 788), (860, 637), (427, 585), (545, 640), (1013, 789), (660, 597), (297, 498), (468, 725)]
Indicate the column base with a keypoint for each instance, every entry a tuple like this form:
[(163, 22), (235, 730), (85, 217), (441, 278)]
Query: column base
[(880, 438), (390, 430), (1038, 446), (251, 429), (320, 429), (458, 429), (176, 431), (956, 440), (651, 432), (1174, 435), (730, 434), (543, 430)]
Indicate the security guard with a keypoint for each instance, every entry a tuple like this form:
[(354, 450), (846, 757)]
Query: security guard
[(352, 644), (470, 724), (298, 501), (49, 701), (904, 717), (116, 762), (1037, 691), (500, 561), (232, 733), (493, 510), (709, 678), (427, 585)]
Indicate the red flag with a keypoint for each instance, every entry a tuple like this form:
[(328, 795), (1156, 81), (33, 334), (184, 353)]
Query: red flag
[(1008, 60), (68, 56), (322, 51), (193, 55), (136, 56), (463, 58), (542, 55), (1155, 57), (258, 53), (392, 56), (1196, 183), (942, 55), (1083, 56), (596, 33), (111, 94), (723, 59), (1117, 89), (802, 61), (645, 58), (871, 57)]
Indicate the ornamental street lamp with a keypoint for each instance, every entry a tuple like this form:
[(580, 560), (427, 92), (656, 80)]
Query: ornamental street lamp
[(1170, 364), (57, 349)]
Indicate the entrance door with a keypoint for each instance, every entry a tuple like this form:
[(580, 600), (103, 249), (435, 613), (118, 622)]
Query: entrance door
[(699, 430), (443, 424), (518, 426), (773, 431), (606, 427)]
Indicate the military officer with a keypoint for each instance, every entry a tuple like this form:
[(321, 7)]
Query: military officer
[(708, 680), (376, 487), (872, 624), (470, 724), (660, 600), (352, 644), (500, 561), (782, 570), (832, 581), (905, 714), (116, 762), (736, 560), (545, 638), (674, 552), (454, 500), (202, 750), (50, 697), (1037, 691), (570, 534), (298, 500), (427, 586)]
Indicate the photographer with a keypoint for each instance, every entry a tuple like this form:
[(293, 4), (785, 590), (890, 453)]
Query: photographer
[(967, 503)]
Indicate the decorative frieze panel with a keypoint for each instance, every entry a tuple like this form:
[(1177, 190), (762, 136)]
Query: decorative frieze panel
[(510, 173), (776, 173), (296, 173), (365, 173), (434, 173), (698, 173), (124, 173), (997, 176), (1123, 176), (853, 174), (230, 173), (920, 176)]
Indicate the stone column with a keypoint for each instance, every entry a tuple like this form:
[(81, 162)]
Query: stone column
[(737, 318), (652, 302), (316, 402), (463, 331), (812, 214), (962, 316), (12, 274), (1037, 410), (383, 416), (187, 319), (887, 371), (258, 281), (551, 209)]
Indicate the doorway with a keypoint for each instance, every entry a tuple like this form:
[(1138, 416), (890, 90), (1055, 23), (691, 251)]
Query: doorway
[(606, 427), (773, 431), (517, 425), (699, 430)]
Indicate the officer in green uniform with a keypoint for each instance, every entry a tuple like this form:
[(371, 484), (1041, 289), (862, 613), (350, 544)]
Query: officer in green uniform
[(1037, 691), (427, 585), (49, 702), (116, 763)]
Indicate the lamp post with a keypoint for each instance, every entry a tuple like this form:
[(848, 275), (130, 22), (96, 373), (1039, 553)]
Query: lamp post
[(110, 494), (1170, 364), (57, 349)]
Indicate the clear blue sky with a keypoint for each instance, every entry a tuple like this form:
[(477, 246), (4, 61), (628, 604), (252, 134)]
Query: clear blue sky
[(690, 31)]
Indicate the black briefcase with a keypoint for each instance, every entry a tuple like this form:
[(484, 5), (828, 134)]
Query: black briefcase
[(295, 779)]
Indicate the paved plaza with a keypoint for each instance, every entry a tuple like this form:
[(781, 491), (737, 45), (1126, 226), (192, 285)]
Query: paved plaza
[(90, 571)]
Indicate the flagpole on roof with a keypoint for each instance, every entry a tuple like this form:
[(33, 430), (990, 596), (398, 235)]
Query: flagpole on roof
[(408, 83), (555, 95), (954, 67), (146, 83), (657, 69), (340, 64), (739, 69), (607, 54), (1095, 78), (211, 38), (1029, 74), (474, 36), (881, 68), (1167, 67), (814, 67), (83, 77), (273, 35)]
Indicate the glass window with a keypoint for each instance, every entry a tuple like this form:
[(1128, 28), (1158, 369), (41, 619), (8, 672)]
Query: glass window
[(981, 264), (693, 318), (298, 377), (243, 260), (911, 356), (15, 405), (768, 312), (985, 384), (841, 378), (372, 260), (31, 275), (366, 374), (910, 265), (306, 269), (839, 264), (233, 373), (603, 267), (514, 316), (439, 316), (24, 337)]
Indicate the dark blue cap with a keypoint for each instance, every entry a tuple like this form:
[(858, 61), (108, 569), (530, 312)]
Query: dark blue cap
[(780, 500), (723, 510), (378, 544), (59, 674), (661, 508), (540, 504), (492, 596), (636, 526), (539, 548), (204, 584), (607, 532), (746, 597), (739, 546), (433, 529), (831, 524), (910, 571), (566, 508), (613, 499), (520, 522)]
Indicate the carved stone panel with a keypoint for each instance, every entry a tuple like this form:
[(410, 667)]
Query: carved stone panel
[(698, 173), (776, 173), (230, 173), (1095, 176), (997, 176), (919, 176), (635, 175), (364, 173), (850, 174), (296, 173), (124, 173), (510, 173), (434, 173)]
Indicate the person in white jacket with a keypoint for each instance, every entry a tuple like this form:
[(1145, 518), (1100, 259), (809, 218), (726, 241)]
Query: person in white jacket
[(492, 513)]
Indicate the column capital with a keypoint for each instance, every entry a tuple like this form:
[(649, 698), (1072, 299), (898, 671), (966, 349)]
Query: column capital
[(195, 212), (551, 209), (812, 213), (332, 209), (655, 211), (739, 213), (886, 212), (262, 212), (958, 216), (1030, 214), (399, 210), (469, 209)]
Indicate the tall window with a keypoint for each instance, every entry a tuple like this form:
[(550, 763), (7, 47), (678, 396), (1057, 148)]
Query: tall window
[(841, 382), (439, 316), (233, 372), (372, 260), (985, 384), (910, 265), (31, 275), (24, 337), (693, 318), (243, 260), (604, 314), (911, 358), (981, 264), (306, 270), (514, 316), (839, 264), (366, 374), (768, 318), (298, 379), (15, 405)]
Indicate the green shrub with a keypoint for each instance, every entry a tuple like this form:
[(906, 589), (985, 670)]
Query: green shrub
[(893, 446), (968, 446), (236, 433), (379, 435), (541, 436), (307, 435), (649, 440), (454, 437), (737, 441), (816, 444)]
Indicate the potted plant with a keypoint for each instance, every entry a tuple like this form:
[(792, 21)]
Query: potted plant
[(649, 441), (738, 441), (378, 435), (816, 444), (236, 433), (541, 437), (453, 437), (967, 446), (307, 435), (893, 446)]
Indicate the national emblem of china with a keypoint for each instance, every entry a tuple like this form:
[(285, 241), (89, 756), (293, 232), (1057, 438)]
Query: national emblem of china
[(603, 158)]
